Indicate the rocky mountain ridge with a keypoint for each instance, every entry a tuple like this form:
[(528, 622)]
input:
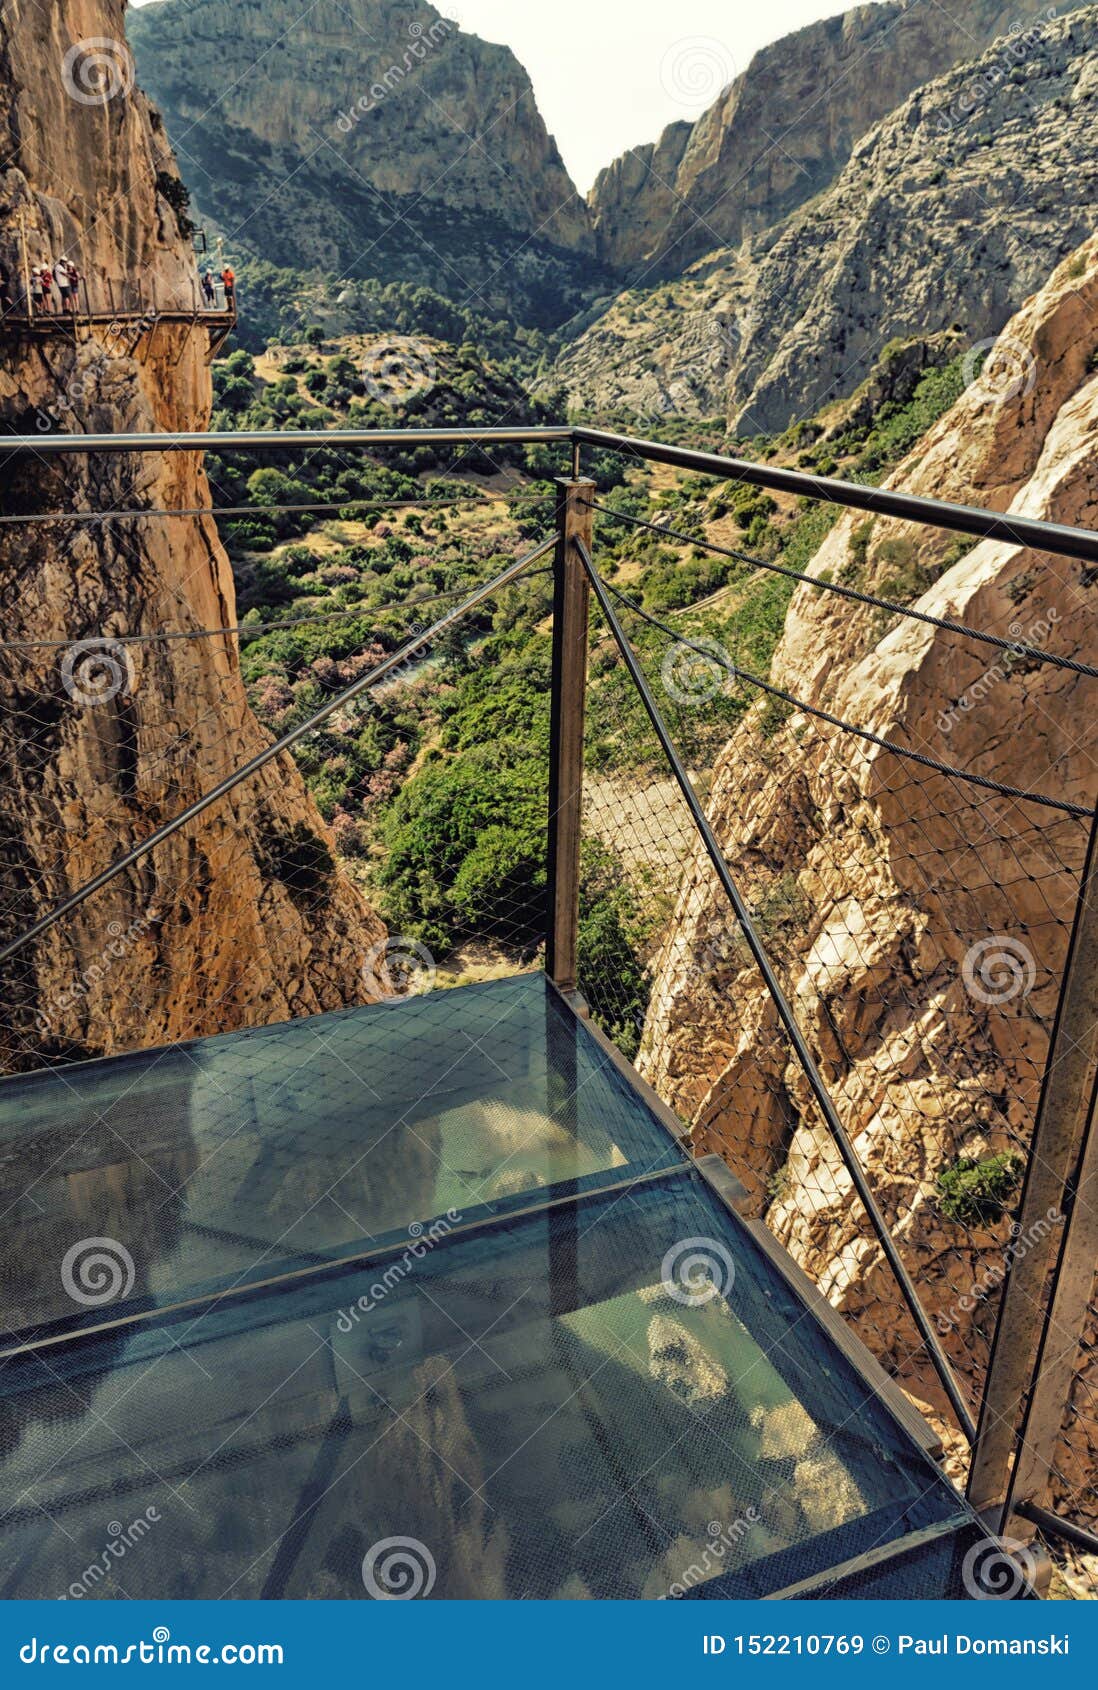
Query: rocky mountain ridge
[(780, 133), (372, 138), (949, 212), (375, 138)]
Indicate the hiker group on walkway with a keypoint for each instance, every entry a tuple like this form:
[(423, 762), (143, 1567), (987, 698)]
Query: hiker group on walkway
[(58, 288), (227, 283), (55, 287)]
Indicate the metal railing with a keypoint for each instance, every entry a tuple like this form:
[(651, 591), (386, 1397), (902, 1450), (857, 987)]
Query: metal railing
[(1044, 1289)]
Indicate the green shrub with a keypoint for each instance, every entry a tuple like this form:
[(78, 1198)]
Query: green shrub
[(465, 841), (611, 934), (974, 1193)]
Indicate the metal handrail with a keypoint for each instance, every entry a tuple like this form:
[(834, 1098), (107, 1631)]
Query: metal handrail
[(274, 439), (1057, 537), (254, 764), (781, 1003), (879, 501)]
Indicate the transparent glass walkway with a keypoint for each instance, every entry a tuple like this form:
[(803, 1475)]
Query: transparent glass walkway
[(424, 1298)]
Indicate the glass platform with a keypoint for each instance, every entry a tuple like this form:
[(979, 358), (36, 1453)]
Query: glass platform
[(422, 1299)]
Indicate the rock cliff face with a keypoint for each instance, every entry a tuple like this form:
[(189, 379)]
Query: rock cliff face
[(373, 137), (919, 922), (243, 919), (781, 132), (951, 210)]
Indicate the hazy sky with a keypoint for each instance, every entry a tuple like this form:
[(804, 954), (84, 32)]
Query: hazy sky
[(610, 74)]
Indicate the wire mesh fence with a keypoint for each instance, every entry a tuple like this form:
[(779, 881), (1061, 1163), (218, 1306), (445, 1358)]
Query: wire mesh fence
[(918, 920), (914, 901), (328, 875)]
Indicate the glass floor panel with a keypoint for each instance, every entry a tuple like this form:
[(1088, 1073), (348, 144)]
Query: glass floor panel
[(551, 1405), (256, 1152)]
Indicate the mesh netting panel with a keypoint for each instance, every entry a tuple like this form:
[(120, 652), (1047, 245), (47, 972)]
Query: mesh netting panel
[(235, 1157), (918, 924), (341, 872), (555, 1405)]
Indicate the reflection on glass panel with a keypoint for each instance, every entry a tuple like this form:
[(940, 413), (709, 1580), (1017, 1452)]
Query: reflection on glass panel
[(539, 1408), (265, 1150)]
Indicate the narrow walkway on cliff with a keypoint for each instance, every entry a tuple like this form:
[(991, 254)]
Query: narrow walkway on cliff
[(134, 322)]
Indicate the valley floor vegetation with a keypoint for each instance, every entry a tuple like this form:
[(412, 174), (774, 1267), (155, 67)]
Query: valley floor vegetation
[(435, 789)]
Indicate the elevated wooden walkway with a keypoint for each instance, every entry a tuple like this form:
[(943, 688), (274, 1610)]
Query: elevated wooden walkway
[(135, 328)]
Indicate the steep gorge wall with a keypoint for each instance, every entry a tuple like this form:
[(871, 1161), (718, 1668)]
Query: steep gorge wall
[(214, 929), (780, 132), (370, 138), (948, 212), (898, 887)]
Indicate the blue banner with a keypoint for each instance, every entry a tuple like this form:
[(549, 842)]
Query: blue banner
[(562, 1644)]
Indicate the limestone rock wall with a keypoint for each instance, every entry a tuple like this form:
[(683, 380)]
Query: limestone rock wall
[(922, 922), (947, 213), (370, 138), (780, 132), (214, 930)]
